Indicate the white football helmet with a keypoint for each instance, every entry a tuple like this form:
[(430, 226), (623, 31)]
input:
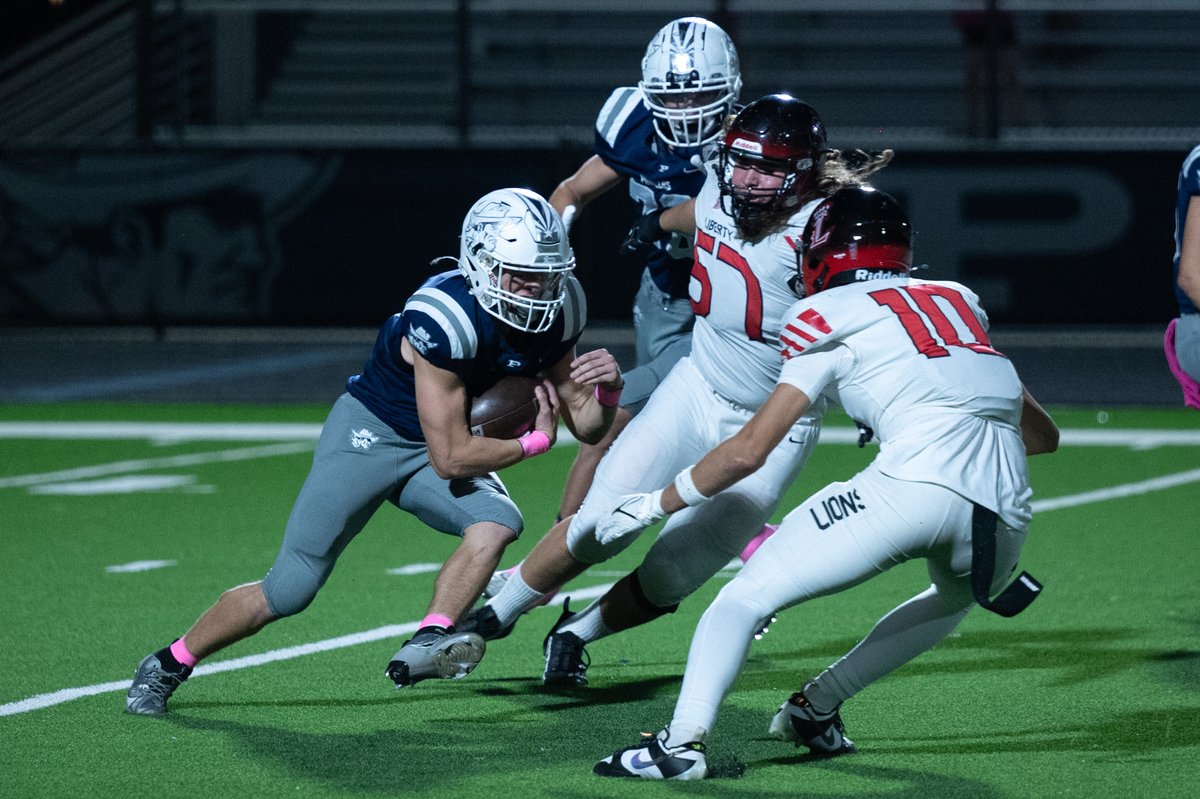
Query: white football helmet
[(512, 238), (691, 79)]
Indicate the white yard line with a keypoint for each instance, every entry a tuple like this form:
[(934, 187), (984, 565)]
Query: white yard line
[(146, 464), (1127, 490), (396, 630), (173, 432), (41, 701)]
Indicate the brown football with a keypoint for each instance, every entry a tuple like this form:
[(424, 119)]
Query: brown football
[(506, 410)]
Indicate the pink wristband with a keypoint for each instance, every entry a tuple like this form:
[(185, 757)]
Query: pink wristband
[(535, 442), (607, 398)]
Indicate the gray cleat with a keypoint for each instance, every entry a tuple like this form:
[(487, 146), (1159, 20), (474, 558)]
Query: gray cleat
[(152, 687), (448, 656)]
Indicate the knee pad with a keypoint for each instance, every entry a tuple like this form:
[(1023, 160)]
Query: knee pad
[(583, 546), (288, 594), (643, 601)]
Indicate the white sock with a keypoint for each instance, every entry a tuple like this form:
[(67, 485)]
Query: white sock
[(514, 598), (588, 624), (680, 734)]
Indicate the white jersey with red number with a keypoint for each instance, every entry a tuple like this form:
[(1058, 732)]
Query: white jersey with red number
[(740, 293), (911, 359)]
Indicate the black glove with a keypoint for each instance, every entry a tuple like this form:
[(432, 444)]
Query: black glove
[(865, 434), (642, 236)]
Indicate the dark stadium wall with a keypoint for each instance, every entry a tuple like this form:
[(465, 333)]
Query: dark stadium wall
[(342, 237)]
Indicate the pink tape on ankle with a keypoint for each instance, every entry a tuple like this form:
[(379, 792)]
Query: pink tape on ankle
[(534, 443), (180, 652), (437, 620), (1191, 389)]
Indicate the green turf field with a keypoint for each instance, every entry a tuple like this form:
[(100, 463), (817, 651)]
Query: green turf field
[(1094, 691)]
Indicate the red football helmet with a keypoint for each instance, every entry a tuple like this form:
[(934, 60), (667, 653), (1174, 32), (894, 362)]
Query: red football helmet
[(856, 234), (776, 134)]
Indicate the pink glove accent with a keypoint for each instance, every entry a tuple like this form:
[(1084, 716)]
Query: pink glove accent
[(608, 398), (1191, 389), (535, 442)]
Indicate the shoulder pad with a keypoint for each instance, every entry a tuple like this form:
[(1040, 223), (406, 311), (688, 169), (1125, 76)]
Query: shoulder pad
[(574, 310), (620, 104), (437, 317)]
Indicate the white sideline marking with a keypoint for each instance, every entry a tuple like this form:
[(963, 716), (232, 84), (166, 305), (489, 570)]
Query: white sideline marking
[(68, 694), (139, 566), (145, 464), (249, 661), (416, 568), (1127, 490), (126, 484), (162, 432), (173, 432)]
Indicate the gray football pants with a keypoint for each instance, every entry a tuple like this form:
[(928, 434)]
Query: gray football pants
[(359, 463)]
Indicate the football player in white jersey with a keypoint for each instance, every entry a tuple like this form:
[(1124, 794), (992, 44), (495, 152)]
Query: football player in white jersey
[(772, 168), (911, 359)]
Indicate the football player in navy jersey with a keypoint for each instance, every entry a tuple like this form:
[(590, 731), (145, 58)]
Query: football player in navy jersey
[(653, 135), (400, 433), (1182, 341)]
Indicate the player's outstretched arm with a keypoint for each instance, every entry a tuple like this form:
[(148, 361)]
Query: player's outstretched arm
[(443, 405), (591, 180), (738, 456), (1038, 430), (589, 389)]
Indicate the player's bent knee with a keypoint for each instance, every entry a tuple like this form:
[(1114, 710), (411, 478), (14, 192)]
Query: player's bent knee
[(287, 597)]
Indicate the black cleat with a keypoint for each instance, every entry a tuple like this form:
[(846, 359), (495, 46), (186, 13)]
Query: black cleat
[(823, 733), (566, 660), (483, 622)]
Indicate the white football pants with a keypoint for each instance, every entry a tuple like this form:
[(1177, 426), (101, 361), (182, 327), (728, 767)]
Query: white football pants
[(681, 423), (842, 536)]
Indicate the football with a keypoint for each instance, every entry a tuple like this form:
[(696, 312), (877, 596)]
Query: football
[(506, 410)]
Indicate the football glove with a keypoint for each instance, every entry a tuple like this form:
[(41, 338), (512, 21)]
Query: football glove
[(645, 232), (633, 513)]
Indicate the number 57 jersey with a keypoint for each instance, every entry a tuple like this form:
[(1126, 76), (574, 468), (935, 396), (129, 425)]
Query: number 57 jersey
[(739, 292), (912, 360)]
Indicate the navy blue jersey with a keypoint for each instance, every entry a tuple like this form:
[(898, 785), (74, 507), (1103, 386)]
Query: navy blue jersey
[(1189, 187), (659, 177), (444, 323)]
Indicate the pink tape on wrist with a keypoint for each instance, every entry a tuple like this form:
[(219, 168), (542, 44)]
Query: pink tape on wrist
[(437, 620), (608, 398), (180, 652), (1191, 389), (533, 443)]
